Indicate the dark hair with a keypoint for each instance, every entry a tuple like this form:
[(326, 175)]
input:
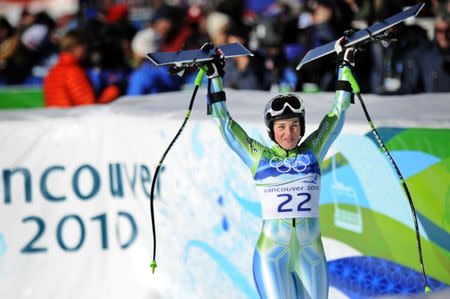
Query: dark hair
[(73, 38), (239, 30)]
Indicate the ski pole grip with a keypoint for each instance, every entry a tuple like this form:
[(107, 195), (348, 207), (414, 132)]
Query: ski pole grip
[(200, 75), (348, 74)]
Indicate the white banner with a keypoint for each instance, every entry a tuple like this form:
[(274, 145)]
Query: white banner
[(74, 202), (75, 220)]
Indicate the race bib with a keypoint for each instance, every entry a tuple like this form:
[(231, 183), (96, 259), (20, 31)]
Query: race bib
[(299, 199)]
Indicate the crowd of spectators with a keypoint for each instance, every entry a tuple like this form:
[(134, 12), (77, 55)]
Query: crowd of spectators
[(279, 33)]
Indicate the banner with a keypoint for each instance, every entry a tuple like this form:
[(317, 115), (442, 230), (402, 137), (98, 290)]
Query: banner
[(74, 196)]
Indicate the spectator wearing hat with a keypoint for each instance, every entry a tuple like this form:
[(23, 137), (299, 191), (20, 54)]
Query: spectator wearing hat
[(217, 25), (67, 84), (22, 52), (25, 56), (148, 78)]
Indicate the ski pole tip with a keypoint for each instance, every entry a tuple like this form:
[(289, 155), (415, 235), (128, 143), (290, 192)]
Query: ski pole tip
[(153, 265), (427, 290)]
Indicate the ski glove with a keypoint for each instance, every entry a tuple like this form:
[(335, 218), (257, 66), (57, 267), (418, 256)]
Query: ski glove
[(346, 55), (214, 67)]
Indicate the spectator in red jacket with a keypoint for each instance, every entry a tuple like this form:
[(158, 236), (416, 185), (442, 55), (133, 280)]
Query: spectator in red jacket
[(67, 84)]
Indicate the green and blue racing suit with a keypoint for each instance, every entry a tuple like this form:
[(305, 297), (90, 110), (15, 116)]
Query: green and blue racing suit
[(289, 259)]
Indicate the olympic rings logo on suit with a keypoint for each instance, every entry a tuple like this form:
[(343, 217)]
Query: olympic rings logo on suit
[(284, 165)]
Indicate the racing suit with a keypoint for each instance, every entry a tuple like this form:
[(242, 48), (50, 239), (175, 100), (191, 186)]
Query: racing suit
[(289, 259)]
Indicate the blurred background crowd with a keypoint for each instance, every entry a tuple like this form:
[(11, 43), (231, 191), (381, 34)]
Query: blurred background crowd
[(100, 48)]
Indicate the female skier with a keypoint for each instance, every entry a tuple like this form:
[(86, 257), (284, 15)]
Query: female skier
[(289, 260)]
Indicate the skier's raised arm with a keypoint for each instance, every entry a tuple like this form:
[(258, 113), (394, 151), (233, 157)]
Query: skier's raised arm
[(248, 149), (330, 127)]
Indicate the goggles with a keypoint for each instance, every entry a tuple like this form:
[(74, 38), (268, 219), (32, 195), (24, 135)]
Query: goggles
[(279, 104)]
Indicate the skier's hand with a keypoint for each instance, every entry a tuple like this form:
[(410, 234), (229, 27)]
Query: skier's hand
[(346, 55), (215, 66), (207, 47)]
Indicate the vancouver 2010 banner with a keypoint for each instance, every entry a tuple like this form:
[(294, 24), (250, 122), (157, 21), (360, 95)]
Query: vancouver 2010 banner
[(75, 215)]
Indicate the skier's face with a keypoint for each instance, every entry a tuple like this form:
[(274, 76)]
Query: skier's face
[(287, 132)]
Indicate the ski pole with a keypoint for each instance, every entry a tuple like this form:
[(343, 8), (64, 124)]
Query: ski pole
[(356, 90), (198, 82)]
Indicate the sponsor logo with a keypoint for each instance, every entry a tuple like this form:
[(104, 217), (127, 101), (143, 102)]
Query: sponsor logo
[(285, 165)]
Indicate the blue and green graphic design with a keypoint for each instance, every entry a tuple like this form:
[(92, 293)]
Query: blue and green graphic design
[(363, 206)]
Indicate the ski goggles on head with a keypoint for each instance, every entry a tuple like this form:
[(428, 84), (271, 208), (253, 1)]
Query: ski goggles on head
[(279, 104)]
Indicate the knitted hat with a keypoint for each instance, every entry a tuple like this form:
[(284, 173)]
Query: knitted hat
[(34, 36), (145, 41)]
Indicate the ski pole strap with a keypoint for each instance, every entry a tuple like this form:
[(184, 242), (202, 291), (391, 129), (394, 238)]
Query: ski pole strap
[(208, 98), (213, 97), (217, 97), (214, 93), (343, 85)]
